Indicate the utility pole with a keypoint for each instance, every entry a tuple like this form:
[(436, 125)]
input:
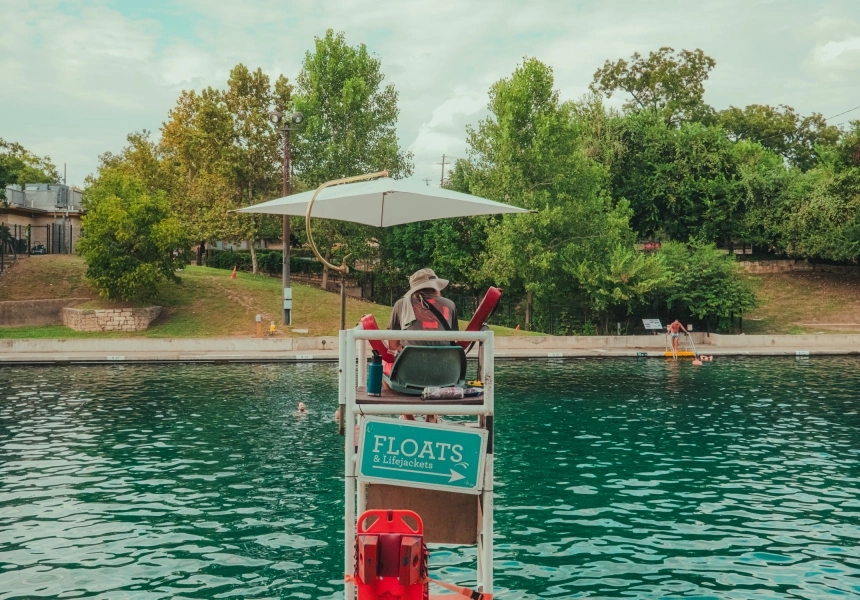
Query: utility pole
[(442, 179), (285, 234), (286, 122), (426, 181)]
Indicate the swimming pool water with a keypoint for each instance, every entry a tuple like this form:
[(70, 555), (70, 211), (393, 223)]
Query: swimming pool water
[(616, 479)]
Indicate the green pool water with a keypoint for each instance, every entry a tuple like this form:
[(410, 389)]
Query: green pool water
[(616, 479)]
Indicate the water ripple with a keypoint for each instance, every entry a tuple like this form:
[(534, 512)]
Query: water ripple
[(616, 478)]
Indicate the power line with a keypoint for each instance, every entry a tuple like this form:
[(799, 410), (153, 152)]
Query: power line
[(843, 113)]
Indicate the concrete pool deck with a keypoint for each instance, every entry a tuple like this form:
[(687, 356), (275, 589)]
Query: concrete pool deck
[(209, 350)]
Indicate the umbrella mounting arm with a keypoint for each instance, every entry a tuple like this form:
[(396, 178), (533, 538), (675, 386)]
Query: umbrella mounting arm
[(343, 268)]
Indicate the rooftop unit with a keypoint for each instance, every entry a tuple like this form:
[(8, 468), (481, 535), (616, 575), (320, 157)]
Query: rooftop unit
[(45, 196)]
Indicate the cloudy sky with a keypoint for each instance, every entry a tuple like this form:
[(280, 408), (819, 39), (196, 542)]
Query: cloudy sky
[(76, 77)]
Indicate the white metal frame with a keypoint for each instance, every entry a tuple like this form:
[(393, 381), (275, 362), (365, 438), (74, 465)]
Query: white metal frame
[(352, 349)]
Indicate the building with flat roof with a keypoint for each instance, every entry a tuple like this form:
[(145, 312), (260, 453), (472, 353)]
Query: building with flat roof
[(43, 215)]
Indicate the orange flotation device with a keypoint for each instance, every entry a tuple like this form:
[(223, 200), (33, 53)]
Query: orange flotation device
[(479, 319), (391, 558)]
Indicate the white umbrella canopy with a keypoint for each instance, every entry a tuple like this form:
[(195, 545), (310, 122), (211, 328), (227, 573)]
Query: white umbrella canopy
[(383, 202)]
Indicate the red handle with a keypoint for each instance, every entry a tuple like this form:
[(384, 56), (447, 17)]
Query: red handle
[(390, 521)]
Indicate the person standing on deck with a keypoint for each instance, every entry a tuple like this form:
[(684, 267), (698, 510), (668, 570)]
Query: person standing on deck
[(674, 330)]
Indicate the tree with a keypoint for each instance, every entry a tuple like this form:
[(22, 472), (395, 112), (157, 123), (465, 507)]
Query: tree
[(220, 153), (680, 181), (665, 83), (704, 282), (821, 216), (194, 140), (140, 159), (350, 128), (530, 153), (763, 186), (620, 278), (20, 166), (131, 241), (780, 129)]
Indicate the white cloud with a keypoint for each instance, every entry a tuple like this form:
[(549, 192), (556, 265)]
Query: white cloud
[(838, 54)]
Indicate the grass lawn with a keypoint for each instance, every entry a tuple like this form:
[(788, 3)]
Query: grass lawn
[(206, 304), (46, 276), (815, 300)]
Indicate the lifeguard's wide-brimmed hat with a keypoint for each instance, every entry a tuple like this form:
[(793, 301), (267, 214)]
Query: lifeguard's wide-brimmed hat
[(426, 278)]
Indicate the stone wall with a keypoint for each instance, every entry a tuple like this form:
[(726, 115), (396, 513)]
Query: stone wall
[(775, 266), (21, 313), (791, 266), (110, 319)]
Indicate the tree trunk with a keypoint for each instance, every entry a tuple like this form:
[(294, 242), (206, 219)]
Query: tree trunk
[(324, 284), (200, 250), (254, 268), (528, 311)]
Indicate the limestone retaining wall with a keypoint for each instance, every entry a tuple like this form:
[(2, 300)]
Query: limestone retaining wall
[(110, 319), (22, 313), (775, 266), (791, 266)]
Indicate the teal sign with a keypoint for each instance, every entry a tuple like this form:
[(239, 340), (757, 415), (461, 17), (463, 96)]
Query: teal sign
[(422, 455)]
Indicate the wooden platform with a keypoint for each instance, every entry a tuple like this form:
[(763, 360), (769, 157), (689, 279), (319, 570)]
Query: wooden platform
[(449, 517)]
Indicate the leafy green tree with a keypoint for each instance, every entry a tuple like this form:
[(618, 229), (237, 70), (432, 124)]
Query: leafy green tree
[(194, 141), (667, 83), (780, 129), (764, 184), (142, 159), (530, 153), (350, 116), (349, 129), (131, 242), (704, 282), (20, 166), (220, 152), (822, 212), (451, 247), (621, 278), (679, 181)]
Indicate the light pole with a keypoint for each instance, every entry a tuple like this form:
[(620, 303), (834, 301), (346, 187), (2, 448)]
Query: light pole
[(286, 125)]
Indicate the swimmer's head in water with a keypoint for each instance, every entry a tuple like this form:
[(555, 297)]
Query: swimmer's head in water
[(302, 407)]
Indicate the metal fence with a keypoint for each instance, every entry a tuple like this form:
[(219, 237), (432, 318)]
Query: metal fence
[(59, 237)]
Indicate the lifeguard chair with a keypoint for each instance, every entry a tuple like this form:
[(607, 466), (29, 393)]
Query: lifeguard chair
[(453, 510)]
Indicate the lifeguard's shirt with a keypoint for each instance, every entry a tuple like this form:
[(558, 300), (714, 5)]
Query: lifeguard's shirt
[(424, 319)]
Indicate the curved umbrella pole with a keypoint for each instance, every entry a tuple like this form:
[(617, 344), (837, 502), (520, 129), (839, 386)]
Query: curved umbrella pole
[(343, 269)]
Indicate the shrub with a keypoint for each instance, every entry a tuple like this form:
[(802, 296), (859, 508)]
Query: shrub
[(269, 261), (704, 282), (131, 240)]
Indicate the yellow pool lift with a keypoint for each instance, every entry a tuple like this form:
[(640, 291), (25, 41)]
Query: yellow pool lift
[(688, 350)]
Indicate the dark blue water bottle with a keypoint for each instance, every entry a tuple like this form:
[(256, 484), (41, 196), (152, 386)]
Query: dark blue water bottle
[(374, 375)]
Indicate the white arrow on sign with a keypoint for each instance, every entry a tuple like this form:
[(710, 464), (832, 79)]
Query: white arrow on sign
[(454, 475)]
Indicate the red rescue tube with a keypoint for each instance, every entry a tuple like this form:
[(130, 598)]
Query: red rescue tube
[(368, 323), (483, 312)]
